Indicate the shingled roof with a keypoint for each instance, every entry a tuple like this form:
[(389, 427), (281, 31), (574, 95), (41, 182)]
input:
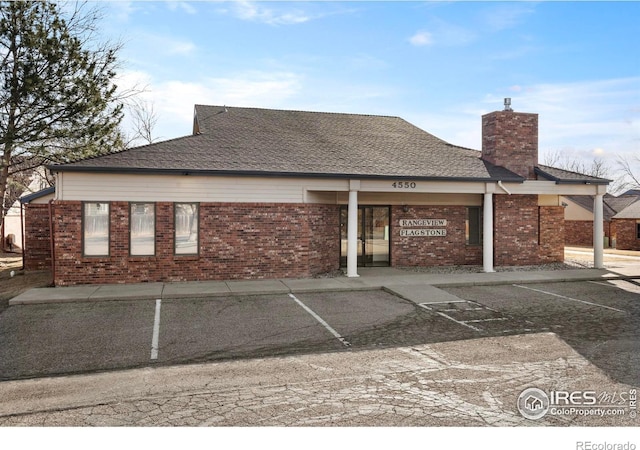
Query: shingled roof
[(611, 205), (632, 211), (254, 141)]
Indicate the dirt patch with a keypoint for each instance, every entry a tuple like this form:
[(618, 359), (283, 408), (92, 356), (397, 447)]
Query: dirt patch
[(14, 281)]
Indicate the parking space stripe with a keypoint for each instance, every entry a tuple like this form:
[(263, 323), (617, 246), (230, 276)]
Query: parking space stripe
[(569, 298), (446, 316), (156, 331), (322, 322)]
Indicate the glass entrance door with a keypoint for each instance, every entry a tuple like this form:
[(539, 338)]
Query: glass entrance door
[(373, 236)]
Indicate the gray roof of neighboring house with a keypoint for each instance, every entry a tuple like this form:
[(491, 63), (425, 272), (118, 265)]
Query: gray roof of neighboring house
[(254, 141), (611, 205), (31, 197), (630, 212)]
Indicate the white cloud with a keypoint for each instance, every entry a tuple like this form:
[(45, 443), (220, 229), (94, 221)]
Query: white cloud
[(507, 15), (421, 39), (122, 10), (168, 45), (173, 100), (184, 6), (585, 120), (444, 34), (256, 12)]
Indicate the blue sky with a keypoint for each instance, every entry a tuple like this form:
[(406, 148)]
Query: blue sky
[(439, 65)]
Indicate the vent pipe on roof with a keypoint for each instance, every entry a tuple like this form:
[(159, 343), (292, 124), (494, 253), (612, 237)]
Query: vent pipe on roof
[(507, 104)]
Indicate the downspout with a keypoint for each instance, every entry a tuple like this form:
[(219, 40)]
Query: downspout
[(51, 241), (503, 188)]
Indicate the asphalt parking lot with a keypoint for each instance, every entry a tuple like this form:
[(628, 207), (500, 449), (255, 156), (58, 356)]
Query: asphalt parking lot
[(600, 320)]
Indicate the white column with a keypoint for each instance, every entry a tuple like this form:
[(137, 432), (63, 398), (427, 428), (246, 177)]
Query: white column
[(598, 232), (487, 231), (352, 230)]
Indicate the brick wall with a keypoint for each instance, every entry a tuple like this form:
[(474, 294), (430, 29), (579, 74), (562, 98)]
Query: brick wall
[(624, 231), (412, 251), (37, 252), (552, 234), (580, 232), (516, 230), (324, 232), (255, 240), (510, 140), (237, 241)]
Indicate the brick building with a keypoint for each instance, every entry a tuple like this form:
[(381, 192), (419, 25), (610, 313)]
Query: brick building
[(259, 193), (579, 220), (625, 227)]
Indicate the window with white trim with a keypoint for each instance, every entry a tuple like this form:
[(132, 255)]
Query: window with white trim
[(142, 229), (186, 228), (95, 229)]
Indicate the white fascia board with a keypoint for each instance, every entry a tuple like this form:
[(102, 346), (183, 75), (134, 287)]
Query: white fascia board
[(440, 187), (552, 188)]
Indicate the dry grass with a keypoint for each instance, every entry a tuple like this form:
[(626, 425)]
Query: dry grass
[(21, 281)]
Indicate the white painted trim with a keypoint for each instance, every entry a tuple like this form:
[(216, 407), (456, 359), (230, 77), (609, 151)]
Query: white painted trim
[(550, 187), (598, 232), (487, 233), (352, 235)]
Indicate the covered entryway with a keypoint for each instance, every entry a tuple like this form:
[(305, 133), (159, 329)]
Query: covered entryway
[(373, 236)]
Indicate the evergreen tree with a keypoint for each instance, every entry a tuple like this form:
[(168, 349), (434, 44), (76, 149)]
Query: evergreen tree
[(58, 102)]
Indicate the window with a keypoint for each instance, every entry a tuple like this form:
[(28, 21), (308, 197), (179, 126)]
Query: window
[(142, 229), (186, 228), (473, 226), (95, 229), (638, 229)]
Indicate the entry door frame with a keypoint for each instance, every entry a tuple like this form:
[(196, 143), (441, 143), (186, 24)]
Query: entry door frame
[(365, 255)]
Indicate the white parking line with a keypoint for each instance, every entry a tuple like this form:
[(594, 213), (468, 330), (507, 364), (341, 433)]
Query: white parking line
[(569, 298), (156, 331), (319, 319), (464, 323)]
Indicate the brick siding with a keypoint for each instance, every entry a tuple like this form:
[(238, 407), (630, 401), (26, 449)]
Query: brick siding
[(256, 240), (625, 233), (412, 251), (37, 241), (516, 230), (552, 234), (237, 241), (580, 232)]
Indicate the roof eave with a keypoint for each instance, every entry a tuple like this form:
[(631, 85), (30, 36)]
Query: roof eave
[(256, 173), (44, 192), (548, 176)]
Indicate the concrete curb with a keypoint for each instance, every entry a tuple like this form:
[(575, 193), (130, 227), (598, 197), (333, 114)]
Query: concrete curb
[(200, 290)]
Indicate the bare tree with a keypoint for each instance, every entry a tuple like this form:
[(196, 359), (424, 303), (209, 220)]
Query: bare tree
[(631, 174), (598, 167), (144, 119)]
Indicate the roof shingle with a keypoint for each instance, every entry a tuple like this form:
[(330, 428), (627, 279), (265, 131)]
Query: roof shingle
[(254, 141)]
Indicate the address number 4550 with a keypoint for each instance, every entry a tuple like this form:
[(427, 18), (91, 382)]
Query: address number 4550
[(404, 184)]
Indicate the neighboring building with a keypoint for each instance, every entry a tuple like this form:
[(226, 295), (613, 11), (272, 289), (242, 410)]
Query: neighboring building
[(37, 252), (626, 227), (259, 193), (11, 228), (579, 218)]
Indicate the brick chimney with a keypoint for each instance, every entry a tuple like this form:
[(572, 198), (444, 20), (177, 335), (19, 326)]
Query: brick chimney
[(510, 140)]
